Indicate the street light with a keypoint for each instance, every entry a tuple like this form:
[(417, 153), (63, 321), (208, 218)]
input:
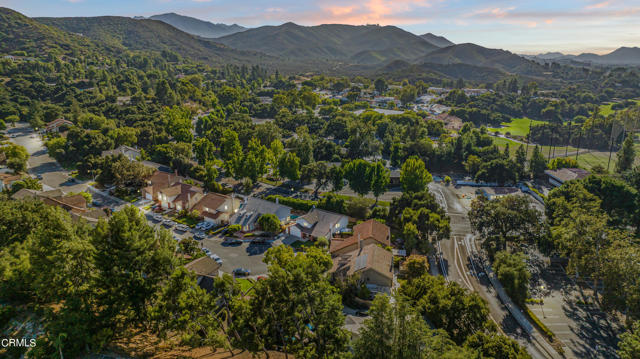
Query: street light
[(541, 300)]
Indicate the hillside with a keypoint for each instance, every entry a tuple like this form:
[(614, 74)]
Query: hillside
[(471, 54), (621, 56), (127, 33), (353, 44), (20, 33), (435, 40), (197, 27), (429, 72)]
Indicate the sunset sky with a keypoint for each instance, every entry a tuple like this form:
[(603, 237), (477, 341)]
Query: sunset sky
[(570, 26)]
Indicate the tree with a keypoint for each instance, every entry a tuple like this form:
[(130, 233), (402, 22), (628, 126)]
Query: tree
[(408, 94), (472, 164), (183, 307), (521, 163), (358, 173), (414, 177), (27, 182), (626, 155), (380, 85), (562, 162), (289, 166), (494, 345), (504, 219), (269, 222), (131, 260), (254, 162), (294, 308), (537, 163), (447, 306), (512, 272), (629, 346), (337, 178), (499, 170), (231, 151), (17, 157), (380, 178), (396, 331), (415, 266)]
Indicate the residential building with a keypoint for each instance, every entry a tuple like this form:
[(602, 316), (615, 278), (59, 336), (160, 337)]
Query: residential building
[(373, 265), (158, 181), (6, 180), (180, 196), (55, 125), (451, 122), (76, 205), (370, 232), (252, 208), (206, 270), (217, 208), (131, 153), (318, 223), (562, 175)]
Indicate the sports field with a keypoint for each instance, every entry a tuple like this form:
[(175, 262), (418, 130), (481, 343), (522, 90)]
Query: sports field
[(517, 126)]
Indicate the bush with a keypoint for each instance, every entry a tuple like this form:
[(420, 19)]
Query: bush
[(297, 204), (358, 208), (233, 229), (332, 202), (540, 324)]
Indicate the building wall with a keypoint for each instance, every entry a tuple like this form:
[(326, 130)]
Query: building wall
[(370, 276)]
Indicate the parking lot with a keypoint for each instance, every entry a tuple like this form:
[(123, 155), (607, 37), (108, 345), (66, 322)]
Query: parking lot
[(240, 255)]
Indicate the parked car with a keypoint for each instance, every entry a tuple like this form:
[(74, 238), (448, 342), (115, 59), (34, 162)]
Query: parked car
[(206, 250), (182, 227), (168, 223), (199, 236), (216, 258), (204, 225), (157, 217), (228, 241), (241, 271)]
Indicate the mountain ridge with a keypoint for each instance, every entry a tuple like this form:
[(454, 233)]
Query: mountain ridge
[(439, 41), (198, 27)]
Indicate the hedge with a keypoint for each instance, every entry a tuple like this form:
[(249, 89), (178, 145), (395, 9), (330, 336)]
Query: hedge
[(295, 203)]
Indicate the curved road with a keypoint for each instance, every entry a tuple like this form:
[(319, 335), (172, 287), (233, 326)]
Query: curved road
[(459, 262)]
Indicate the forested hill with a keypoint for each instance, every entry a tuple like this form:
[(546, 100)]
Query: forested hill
[(127, 33), (198, 27), (20, 33), (353, 44), (472, 54)]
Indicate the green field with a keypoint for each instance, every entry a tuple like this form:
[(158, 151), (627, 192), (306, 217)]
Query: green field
[(517, 126), (513, 146), (606, 109)]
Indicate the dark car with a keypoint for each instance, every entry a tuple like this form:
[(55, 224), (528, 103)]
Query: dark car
[(241, 272)]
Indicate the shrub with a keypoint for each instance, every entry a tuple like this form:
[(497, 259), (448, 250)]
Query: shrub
[(233, 229), (295, 203)]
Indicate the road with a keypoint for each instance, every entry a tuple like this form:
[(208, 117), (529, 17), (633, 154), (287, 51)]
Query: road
[(458, 264)]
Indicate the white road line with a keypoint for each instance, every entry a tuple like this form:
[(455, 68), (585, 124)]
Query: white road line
[(463, 274)]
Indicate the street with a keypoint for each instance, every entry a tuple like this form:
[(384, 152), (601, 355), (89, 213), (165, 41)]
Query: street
[(455, 261)]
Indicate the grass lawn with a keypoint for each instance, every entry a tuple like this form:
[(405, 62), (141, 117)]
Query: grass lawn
[(513, 147), (271, 182), (186, 220), (245, 283), (606, 109), (517, 126)]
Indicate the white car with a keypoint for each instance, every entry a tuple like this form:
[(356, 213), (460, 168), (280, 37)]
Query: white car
[(182, 227), (216, 258), (167, 222)]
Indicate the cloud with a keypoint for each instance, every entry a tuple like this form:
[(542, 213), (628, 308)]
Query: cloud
[(599, 5)]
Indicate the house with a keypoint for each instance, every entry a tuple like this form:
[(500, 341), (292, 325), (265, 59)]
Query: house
[(394, 177), (123, 100), (451, 122), (318, 223), (373, 264), (158, 181), (131, 153), (497, 192), (252, 208), (558, 177), (179, 196), (6, 180), (55, 125), (366, 233), (217, 208), (206, 270), (76, 204)]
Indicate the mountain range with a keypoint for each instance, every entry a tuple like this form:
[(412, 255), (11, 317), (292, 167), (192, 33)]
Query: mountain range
[(620, 56), (366, 44), (331, 48), (198, 27)]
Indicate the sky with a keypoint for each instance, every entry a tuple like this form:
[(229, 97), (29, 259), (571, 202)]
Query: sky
[(527, 27)]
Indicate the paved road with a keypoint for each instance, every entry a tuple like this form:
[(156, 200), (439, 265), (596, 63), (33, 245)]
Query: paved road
[(40, 163), (455, 261)]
